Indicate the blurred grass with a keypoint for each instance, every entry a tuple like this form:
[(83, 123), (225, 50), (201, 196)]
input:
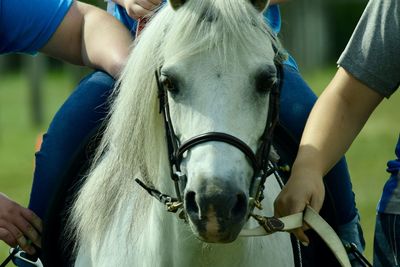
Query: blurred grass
[(367, 157), (18, 134)]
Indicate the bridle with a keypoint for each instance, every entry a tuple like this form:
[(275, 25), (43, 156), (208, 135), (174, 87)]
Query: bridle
[(262, 168), (259, 160)]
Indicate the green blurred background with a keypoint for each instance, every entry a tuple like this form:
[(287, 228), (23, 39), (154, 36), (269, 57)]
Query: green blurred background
[(314, 31)]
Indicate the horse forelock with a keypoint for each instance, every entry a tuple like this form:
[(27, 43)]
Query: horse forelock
[(233, 27), (133, 143)]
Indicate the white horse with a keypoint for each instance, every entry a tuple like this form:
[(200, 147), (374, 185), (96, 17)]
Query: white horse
[(216, 60)]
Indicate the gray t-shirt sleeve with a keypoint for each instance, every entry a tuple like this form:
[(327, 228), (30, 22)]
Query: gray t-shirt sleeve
[(373, 52)]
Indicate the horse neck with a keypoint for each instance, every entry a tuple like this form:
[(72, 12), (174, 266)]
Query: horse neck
[(177, 246)]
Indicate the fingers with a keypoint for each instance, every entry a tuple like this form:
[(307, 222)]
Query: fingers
[(22, 241), (301, 236), (26, 226), (18, 225), (141, 8), (290, 201), (7, 237), (34, 220), (285, 205), (316, 203), (304, 188), (11, 235)]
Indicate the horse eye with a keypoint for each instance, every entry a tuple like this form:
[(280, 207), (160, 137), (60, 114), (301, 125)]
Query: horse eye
[(265, 84), (169, 84), (265, 78)]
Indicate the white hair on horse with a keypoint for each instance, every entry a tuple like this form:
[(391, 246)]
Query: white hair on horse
[(134, 143)]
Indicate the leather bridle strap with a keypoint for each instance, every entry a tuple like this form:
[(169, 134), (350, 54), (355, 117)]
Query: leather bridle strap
[(291, 222), (258, 160), (219, 137)]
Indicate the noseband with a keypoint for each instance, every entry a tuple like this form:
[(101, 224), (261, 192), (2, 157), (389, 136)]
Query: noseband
[(258, 160)]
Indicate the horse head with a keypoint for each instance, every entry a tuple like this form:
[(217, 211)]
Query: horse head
[(217, 108)]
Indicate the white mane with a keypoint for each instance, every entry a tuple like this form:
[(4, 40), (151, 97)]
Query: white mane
[(133, 144)]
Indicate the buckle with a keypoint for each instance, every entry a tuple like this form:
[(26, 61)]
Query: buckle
[(23, 259)]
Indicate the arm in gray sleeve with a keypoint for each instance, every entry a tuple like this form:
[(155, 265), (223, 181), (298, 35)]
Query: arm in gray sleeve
[(373, 52)]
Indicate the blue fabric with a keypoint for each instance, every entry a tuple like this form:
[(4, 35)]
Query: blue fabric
[(27, 25), (394, 165), (351, 232), (273, 17), (387, 240), (81, 113), (391, 186), (122, 16)]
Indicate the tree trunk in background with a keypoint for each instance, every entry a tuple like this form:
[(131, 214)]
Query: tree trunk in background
[(315, 32), (2, 64), (36, 68), (304, 32)]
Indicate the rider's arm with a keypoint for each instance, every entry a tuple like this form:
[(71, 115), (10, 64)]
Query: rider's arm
[(89, 36), (337, 118)]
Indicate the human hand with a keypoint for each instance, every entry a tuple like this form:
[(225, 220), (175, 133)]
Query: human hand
[(139, 8), (304, 187), (18, 225)]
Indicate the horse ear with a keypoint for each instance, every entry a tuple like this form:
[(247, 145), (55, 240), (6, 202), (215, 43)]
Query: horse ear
[(177, 3), (260, 5)]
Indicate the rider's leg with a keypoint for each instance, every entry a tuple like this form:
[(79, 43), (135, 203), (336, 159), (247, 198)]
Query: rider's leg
[(296, 102), (82, 112), (387, 240)]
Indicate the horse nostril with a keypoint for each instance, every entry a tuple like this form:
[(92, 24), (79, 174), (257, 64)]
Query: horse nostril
[(240, 207), (191, 205)]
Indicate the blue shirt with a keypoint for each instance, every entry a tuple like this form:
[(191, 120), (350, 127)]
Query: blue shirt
[(27, 25), (393, 166), (389, 202)]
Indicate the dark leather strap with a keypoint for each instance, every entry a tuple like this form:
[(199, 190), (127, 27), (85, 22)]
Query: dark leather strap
[(219, 137)]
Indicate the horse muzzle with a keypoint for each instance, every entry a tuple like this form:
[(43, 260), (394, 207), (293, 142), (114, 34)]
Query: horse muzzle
[(216, 213)]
